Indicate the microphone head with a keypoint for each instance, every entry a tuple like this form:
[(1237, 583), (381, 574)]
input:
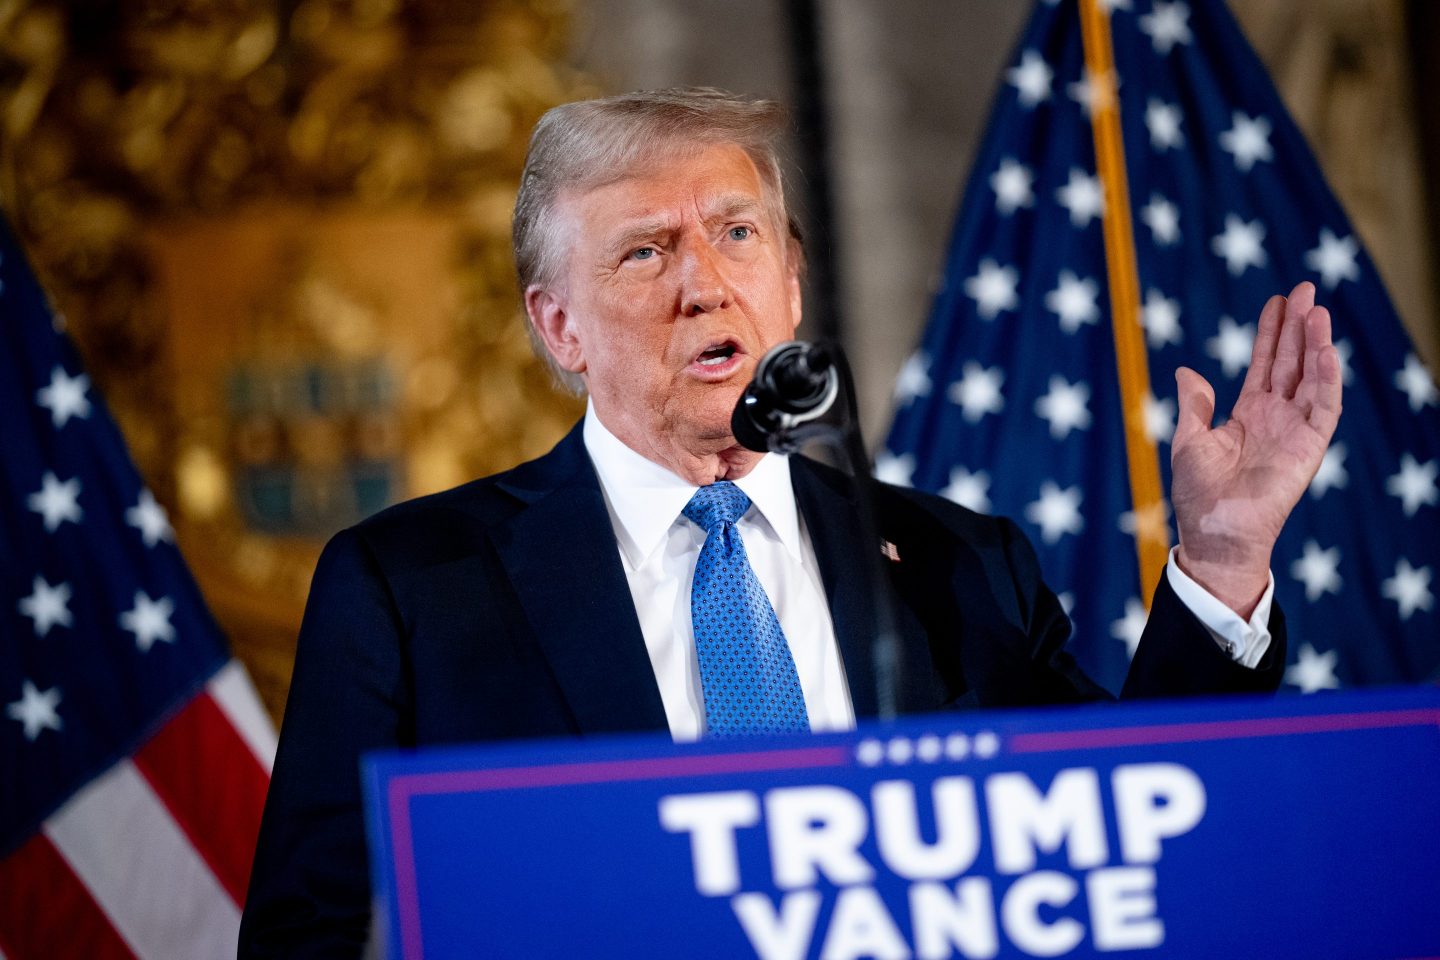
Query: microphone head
[(748, 433), (794, 383), (795, 376)]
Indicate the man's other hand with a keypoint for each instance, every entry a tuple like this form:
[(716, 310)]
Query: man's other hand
[(1234, 485)]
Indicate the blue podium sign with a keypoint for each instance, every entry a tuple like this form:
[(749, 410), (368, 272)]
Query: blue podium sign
[(1236, 828)]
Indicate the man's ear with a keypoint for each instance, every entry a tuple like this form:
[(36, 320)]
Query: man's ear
[(792, 280), (548, 314)]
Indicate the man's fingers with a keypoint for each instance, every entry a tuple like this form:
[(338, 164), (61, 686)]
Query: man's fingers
[(1262, 354), (1317, 337), (1290, 350), (1322, 373), (1197, 405)]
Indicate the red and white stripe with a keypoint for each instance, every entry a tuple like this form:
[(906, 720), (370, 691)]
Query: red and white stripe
[(150, 859)]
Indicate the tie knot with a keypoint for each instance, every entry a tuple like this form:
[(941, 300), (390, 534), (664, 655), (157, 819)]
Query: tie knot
[(720, 502)]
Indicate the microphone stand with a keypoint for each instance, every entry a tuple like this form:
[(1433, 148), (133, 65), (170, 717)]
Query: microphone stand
[(846, 439)]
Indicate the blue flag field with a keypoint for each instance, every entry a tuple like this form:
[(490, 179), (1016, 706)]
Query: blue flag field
[(1011, 404)]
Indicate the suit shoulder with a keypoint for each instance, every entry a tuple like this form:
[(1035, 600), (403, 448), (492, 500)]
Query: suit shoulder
[(917, 510), (981, 529), (434, 528), (481, 500)]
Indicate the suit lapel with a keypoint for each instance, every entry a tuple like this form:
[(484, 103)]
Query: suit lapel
[(564, 565), (834, 527)]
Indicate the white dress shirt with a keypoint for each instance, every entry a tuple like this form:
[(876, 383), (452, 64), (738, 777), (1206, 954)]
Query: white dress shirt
[(659, 547)]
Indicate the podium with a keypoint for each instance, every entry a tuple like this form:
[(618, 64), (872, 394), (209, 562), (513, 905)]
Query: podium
[(1291, 827)]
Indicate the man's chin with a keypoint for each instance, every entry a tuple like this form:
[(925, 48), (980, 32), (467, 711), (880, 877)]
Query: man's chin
[(706, 436), (706, 412), (713, 440)]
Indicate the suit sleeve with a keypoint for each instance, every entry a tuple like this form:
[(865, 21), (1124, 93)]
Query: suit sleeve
[(309, 890), (1177, 656)]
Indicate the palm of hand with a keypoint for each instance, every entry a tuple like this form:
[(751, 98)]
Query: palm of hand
[(1233, 486)]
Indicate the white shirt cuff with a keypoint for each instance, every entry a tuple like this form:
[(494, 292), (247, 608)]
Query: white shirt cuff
[(1246, 643)]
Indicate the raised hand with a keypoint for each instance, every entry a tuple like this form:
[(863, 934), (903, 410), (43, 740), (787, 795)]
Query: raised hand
[(1233, 486)]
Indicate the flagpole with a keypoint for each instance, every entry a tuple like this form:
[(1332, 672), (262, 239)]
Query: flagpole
[(1152, 537)]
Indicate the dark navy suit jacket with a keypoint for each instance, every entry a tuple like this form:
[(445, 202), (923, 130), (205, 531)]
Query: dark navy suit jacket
[(500, 610)]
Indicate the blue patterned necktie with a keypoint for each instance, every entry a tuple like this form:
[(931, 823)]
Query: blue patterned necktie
[(746, 672)]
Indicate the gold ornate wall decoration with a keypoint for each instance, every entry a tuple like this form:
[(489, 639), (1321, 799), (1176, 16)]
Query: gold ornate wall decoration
[(280, 233)]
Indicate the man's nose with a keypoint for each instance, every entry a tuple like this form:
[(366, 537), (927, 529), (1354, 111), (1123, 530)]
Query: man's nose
[(704, 284)]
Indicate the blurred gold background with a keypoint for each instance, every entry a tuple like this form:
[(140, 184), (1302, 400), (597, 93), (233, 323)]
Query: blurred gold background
[(283, 231)]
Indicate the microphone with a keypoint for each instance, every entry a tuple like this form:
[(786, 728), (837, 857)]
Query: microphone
[(794, 383)]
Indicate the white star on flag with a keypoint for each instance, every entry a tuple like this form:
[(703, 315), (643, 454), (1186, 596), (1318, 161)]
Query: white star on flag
[(1163, 219), (1163, 121), (149, 620), (969, 489), (1318, 569), (1066, 407), (1344, 348), (1332, 473), (57, 502), (1073, 301), (1083, 196), (1313, 671), (149, 518), (1159, 418), (1414, 484), (993, 289), (47, 606), (1334, 259), (1240, 244), (913, 381), (1415, 380), (64, 397), (1247, 140), (1056, 512), (1232, 346), (1148, 523), (895, 470), (1166, 25), (1161, 319), (1409, 588), (36, 710), (1093, 91), (978, 391), (1012, 184), (1131, 627), (1031, 78)]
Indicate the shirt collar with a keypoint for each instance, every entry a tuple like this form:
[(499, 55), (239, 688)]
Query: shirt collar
[(645, 498)]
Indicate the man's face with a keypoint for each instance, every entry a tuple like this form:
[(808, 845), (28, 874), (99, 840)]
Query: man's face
[(676, 281)]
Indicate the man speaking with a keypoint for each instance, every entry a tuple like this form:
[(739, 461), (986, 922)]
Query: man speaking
[(650, 574)]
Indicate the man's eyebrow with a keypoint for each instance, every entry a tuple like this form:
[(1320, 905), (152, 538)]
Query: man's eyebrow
[(637, 231), (728, 207)]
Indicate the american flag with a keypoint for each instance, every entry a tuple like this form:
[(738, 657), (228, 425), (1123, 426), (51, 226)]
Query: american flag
[(134, 754), (1011, 404)]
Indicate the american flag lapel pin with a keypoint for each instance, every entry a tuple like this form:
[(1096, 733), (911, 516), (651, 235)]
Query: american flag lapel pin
[(888, 548)]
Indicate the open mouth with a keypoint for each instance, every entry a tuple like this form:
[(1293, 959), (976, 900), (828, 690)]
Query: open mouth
[(716, 355)]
